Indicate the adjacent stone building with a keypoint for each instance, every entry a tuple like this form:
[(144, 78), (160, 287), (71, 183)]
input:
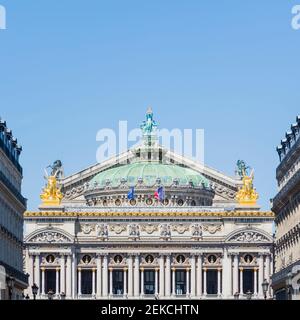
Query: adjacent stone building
[(286, 206), (12, 207)]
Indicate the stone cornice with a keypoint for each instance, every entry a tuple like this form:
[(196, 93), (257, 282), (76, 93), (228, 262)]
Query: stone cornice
[(290, 237), (282, 198), (90, 214)]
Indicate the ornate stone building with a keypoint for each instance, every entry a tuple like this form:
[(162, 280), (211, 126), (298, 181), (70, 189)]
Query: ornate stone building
[(286, 206), (149, 224), (12, 207)]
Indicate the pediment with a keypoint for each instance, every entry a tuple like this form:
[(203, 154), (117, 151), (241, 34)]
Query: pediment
[(49, 236), (249, 236)]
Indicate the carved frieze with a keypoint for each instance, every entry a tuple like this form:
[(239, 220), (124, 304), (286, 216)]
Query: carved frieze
[(87, 228), (212, 228), (118, 228), (180, 228), (149, 228)]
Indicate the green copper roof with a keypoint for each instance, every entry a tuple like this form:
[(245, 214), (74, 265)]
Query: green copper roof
[(149, 172)]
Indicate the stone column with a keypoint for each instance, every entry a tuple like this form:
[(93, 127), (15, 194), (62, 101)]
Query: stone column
[(205, 282), (268, 268), (173, 282), (199, 276), (130, 276), (63, 275), (79, 282), (94, 282), (111, 281), (271, 273), (142, 282), (236, 274), (241, 281), (137, 277), (162, 277), (125, 281), (227, 276), (255, 281), (156, 281), (187, 282), (105, 276), (219, 282), (99, 277), (260, 276), (69, 277), (74, 276), (193, 277), (42, 290), (168, 276), (31, 272), (37, 271), (57, 282)]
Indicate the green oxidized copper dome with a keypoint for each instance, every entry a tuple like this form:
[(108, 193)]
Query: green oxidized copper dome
[(149, 172)]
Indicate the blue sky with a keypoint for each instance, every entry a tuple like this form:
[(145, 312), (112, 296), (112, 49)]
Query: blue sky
[(69, 68)]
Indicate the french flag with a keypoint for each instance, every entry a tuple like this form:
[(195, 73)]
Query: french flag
[(131, 194), (160, 194)]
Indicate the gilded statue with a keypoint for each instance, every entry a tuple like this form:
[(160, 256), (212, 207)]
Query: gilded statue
[(247, 195), (51, 195)]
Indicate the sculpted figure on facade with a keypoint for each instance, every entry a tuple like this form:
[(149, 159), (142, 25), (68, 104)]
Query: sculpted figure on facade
[(134, 231), (165, 231), (197, 231), (102, 231)]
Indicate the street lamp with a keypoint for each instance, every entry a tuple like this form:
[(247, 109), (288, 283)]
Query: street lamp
[(289, 284), (237, 296), (35, 290), (50, 294), (10, 284), (249, 295), (265, 286)]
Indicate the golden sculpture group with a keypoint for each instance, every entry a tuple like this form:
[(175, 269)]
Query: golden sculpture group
[(247, 195), (51, 195)]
